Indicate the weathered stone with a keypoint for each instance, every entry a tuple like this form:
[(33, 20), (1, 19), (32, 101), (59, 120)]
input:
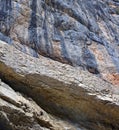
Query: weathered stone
[(83, 34), (59, 89), (20, 113), (62, 30)]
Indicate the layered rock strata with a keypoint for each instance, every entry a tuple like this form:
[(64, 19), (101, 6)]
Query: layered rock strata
[(62, 89), (80, 33), (65, 55), (21, 113)]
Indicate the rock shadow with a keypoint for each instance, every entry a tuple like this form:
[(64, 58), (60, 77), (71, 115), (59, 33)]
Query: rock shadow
[(6, 18), (32, 29), (90, 61)]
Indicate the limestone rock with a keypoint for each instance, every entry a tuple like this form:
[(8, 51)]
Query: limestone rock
[(62, 89), (20, 113), (65, 55), (80, 33)]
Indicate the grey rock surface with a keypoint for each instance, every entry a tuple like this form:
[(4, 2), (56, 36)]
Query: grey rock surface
[(65, 55), (22, 113), (80, 33), (62, 89)]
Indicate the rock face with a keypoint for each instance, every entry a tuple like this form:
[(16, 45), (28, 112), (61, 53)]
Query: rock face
[(20, 113), (65, 55), (62, 89), (80, 33)]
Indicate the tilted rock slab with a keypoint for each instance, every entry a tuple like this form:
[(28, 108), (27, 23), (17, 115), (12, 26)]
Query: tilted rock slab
[(20, 113), (62, 89)]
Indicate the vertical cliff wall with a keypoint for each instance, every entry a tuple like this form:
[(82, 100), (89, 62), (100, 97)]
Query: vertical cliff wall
[(80, 33)]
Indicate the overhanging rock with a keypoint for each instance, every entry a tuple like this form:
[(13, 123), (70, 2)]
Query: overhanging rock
[(62, 89)]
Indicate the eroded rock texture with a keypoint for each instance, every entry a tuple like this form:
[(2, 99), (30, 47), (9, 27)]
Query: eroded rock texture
[(62, 89), (80, 33), (20, 113)]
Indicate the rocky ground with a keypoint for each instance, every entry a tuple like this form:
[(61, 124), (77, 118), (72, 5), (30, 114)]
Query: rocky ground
[(63, 55)]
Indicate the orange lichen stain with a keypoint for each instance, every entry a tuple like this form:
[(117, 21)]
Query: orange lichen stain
[(113, 78), (98, 54), (100, 57)]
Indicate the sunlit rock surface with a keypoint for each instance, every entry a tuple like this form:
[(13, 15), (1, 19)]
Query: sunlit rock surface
[(80, 33), (61, 89), (22, 113)]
